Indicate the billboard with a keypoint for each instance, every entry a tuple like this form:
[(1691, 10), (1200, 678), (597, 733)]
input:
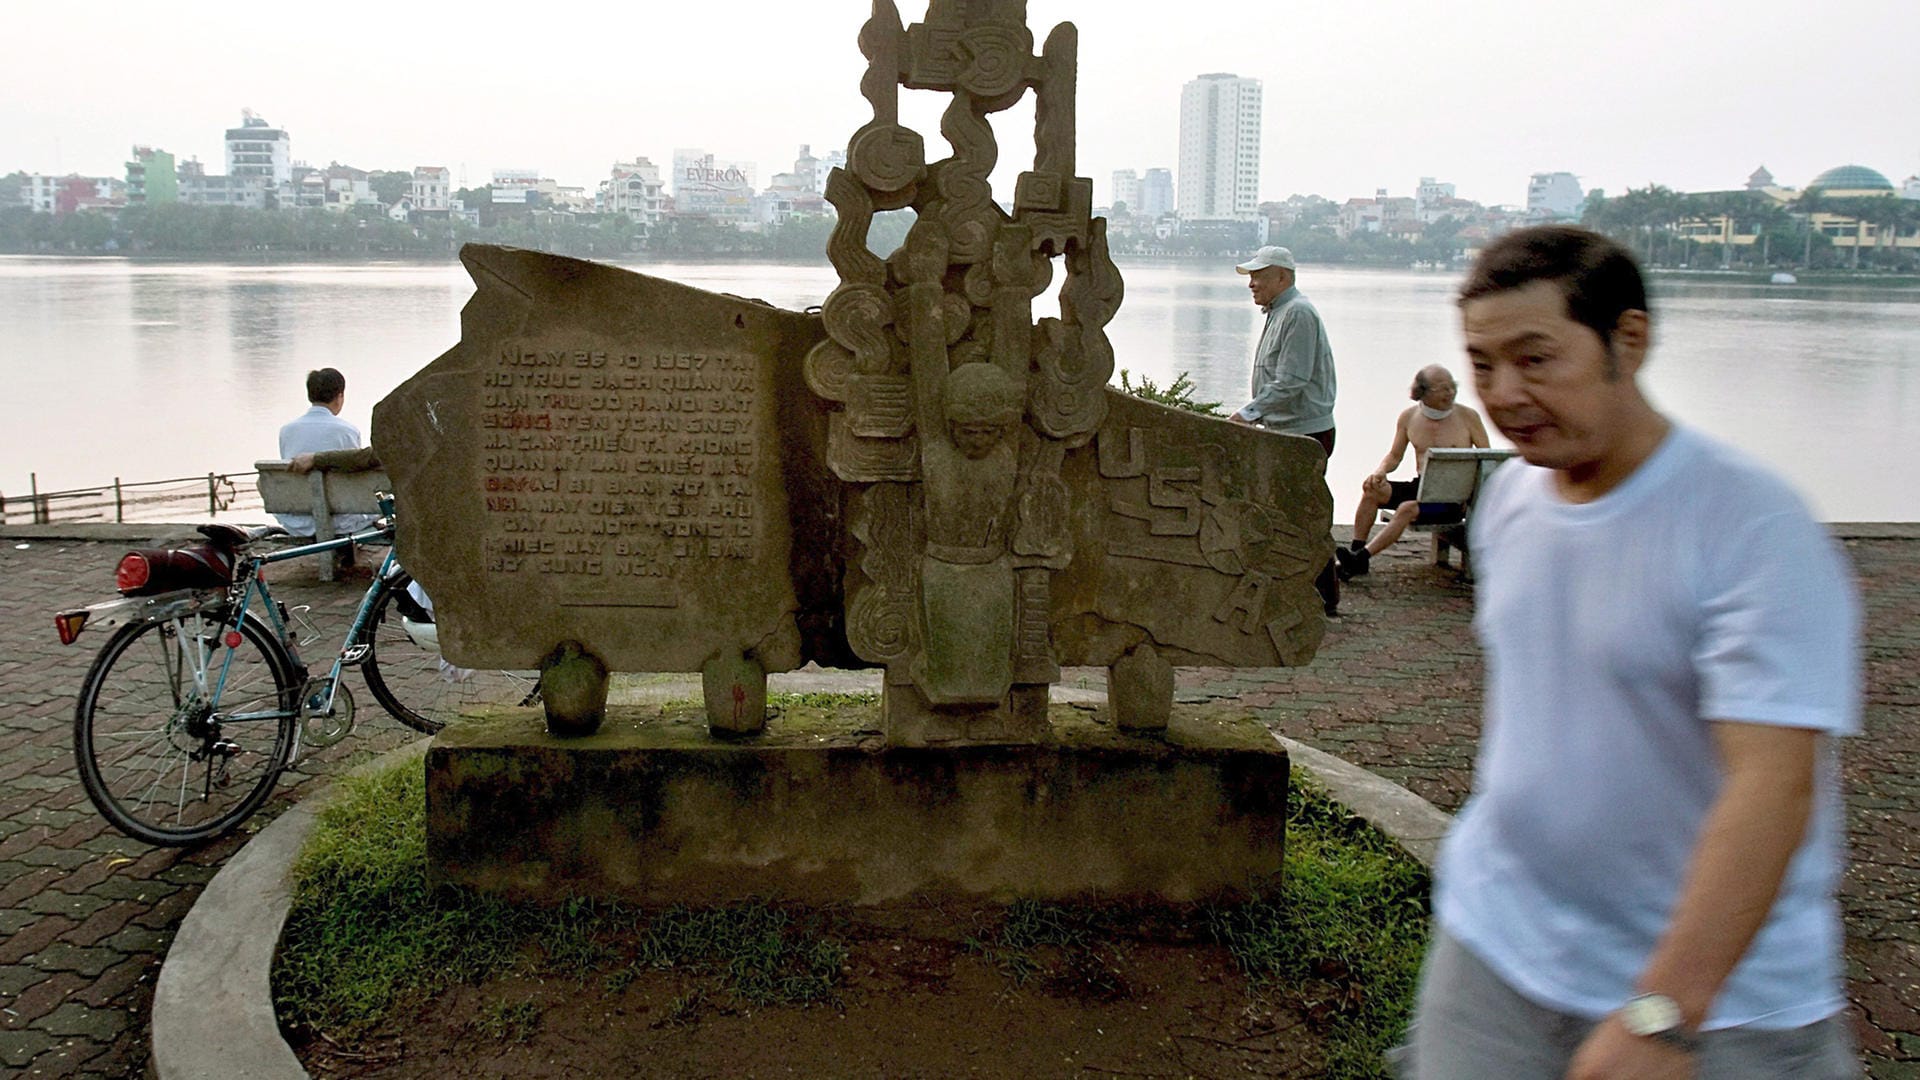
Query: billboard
[(705, 186)]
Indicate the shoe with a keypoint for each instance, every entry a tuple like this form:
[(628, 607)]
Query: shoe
[(1327, 584), (1352, 562)]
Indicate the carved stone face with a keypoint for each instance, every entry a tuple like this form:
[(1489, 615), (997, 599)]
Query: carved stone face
[(982, 403), (976, 438)]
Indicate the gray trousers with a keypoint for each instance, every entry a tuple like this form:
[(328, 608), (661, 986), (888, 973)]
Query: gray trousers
[(1469, 1025)]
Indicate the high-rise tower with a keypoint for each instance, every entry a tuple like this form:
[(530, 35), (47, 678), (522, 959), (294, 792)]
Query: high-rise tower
[(1219, 149)]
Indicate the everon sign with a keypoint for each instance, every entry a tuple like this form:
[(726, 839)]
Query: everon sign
[(703, 186)]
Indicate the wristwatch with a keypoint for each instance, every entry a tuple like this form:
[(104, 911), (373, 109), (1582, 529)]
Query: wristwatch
[(1657, 1016)]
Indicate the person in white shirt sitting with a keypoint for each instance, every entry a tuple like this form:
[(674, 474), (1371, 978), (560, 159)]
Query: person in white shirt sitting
[(316, 430)]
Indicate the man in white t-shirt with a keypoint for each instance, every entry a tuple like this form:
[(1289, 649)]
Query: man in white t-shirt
[(319, 429), (1642, 881)]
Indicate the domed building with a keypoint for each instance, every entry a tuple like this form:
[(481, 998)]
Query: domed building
[(1846, 181), (1828, 204), (1868, 231)]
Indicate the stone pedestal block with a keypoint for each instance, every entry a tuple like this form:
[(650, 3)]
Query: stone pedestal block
[(650, 809), (734, 689), (1140, 686), (573, 690)]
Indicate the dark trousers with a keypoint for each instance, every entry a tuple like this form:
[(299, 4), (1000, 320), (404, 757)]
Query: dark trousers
[(1328, 583)]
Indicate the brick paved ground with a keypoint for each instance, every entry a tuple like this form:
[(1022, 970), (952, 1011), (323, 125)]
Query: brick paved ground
[(86, 915), (1396, 688)]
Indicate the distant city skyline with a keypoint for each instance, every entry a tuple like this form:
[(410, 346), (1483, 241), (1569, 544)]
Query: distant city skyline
[(1481, 94)]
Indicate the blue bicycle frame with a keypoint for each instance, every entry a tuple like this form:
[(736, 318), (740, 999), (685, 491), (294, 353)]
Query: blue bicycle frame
[(317, 696)]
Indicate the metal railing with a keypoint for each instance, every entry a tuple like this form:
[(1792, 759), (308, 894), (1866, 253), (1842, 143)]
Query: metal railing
[(186, 498)]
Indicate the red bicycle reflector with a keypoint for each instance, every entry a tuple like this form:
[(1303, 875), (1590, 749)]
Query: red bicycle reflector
[(69, 624), (232, 639), (132, 572)]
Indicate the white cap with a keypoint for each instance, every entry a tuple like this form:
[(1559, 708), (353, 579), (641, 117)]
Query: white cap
[(1271, 255)]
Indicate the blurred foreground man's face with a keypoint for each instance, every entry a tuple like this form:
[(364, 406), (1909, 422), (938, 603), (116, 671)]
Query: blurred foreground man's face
[(1548, 382)]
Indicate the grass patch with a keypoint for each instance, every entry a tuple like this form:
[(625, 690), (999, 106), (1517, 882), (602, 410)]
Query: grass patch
[(1345, 939), (1066, 949), (824, 699), (368, 932), (508, 1021)]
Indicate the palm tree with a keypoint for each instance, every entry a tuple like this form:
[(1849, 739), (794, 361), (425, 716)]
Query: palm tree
[(1907, 218), (1770, 220), (1889, 217), (1644, 208), (1808, 203), (1727, 209), (1667, 207)]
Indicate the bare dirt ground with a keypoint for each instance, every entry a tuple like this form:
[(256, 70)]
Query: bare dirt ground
[(907, 1005)]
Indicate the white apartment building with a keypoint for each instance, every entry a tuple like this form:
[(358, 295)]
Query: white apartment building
[(41, 193), (834, 159), (1126, 189), (1554, 196), (635, 190), (246, 192), (1219, 149), (432, 189), (1430, 191), (258, 149)]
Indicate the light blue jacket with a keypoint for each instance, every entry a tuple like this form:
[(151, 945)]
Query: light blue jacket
[(1293, 383)]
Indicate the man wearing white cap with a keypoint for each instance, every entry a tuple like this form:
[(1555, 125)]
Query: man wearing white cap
[(1292, 370), (1293, 382)]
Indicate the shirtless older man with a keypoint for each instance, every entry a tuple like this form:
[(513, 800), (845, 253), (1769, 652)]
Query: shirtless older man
[(1436, 420)]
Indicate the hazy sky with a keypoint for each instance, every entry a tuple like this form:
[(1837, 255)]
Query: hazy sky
[(1359, 95)]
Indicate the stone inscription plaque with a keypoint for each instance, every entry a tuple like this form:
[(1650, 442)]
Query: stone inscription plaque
[(614, 463), (600, 460)]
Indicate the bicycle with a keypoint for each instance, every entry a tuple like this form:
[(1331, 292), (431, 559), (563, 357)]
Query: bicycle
[(197, 703)]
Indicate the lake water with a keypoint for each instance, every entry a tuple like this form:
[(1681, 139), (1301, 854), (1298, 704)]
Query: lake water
[(147, 370)]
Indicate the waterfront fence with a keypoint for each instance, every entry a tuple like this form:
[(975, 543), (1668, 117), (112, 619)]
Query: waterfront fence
[(185, 498)]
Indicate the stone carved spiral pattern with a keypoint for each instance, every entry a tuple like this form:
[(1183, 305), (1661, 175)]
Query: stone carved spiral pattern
[(998, 59), (879, 627), (829, 368), (856, 316), (888, 157), (986, 268)]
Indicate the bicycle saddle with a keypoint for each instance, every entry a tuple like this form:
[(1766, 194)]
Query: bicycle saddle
[(231, 537)]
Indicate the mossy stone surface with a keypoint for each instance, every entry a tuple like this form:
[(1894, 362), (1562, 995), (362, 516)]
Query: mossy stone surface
[(818, 808)]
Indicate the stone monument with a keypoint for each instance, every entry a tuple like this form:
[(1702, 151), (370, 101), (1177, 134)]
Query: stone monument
[(642, 476)]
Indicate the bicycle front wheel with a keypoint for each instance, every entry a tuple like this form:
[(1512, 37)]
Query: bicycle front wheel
[(410, 680), (161, 759)]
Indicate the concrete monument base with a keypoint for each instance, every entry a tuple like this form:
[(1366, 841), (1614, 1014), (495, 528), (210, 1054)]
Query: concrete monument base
[(819, 810)]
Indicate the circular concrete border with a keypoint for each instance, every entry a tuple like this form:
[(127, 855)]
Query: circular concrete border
[(213, 1005)]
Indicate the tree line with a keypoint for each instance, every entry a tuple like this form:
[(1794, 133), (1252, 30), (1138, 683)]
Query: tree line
[(1650, 220), (192, 230)]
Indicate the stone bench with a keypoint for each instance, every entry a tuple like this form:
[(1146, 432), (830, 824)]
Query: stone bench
[(322, 493), (1453, 477)]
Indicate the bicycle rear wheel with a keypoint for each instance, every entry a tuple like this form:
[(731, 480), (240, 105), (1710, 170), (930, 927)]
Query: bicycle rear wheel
[(156, 756), (409, 679)]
